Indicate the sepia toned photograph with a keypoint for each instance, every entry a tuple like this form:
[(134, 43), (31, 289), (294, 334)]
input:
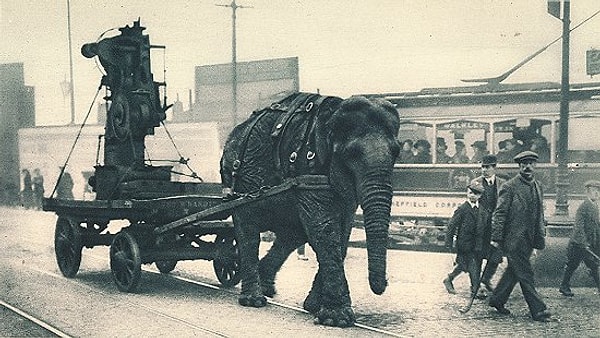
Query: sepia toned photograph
[(253, 168)]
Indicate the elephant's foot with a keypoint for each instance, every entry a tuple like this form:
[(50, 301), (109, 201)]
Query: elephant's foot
[(338, 317), (252, 300), (312, 303), (268, 289)]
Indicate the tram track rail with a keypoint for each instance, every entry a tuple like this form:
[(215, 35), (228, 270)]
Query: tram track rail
[(234, 292), (36, 321), (272, 302), (146, 308)]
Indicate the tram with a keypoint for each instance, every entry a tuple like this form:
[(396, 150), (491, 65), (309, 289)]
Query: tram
[(502, 119)]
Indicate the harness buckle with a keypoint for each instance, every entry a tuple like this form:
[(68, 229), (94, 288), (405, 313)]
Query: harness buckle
[(310, 155), (309, 107), (236, 164), (293, 157)]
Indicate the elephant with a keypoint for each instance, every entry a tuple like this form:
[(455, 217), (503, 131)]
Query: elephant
[(353, 144)]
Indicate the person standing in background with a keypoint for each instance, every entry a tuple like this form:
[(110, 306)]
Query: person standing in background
[(27, 192), (64, 189), (38, 188)]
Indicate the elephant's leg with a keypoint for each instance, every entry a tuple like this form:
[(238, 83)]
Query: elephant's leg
[(321, 217), (248, 236), (312, 303), (285, 243)]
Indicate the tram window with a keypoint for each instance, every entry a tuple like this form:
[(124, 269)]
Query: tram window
[(584, 147)]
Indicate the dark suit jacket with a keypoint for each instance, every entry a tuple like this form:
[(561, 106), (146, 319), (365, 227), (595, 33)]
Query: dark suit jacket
[(466, 225), (518, 222), (488, 204), (586, 230)]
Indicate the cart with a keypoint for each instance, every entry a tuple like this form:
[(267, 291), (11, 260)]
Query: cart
[(166, 221), (162, 230)]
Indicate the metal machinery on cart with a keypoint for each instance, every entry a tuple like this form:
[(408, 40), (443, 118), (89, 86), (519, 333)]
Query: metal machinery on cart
[(167, 219)]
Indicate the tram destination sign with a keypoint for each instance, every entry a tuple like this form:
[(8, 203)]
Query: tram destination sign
[(592, 62)]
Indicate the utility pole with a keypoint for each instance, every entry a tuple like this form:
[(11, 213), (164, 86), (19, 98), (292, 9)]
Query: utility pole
[(71, 84), (562, 176), (234, 8)]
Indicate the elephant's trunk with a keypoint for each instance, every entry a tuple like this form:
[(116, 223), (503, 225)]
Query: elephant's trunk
[(376, 193)]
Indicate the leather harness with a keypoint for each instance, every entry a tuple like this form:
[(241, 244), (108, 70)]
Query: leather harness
[(302, 103)]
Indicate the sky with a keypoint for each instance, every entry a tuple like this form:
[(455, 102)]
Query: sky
[(345, 47)]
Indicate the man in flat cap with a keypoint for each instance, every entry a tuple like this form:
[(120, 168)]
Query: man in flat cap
[(518, 227), (489, 198), (585, 238)]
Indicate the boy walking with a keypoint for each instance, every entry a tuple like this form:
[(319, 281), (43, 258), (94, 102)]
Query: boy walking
[(466, 226)]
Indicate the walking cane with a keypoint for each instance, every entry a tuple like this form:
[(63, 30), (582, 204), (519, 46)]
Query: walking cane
[(474, 293), (596, 260)]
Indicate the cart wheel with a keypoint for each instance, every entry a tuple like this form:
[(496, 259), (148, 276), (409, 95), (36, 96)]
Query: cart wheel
[(227, 260), (125, 262), (67, 246), (165, 266)]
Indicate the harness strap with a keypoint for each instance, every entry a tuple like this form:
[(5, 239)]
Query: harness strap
[(237, 164), (282, 123), (312, 107)]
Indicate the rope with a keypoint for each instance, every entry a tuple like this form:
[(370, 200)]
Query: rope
[(182, 159), (62, 170)]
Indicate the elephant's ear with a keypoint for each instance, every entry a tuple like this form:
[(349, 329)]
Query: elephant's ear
[(324, 137)]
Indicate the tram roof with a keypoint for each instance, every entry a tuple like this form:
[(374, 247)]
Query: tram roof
[(493, 100)]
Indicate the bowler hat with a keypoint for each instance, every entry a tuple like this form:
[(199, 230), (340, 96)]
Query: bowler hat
[(526, 155), (440, 141), (592, 183), (459, 143), (489, 159), (476, 187)]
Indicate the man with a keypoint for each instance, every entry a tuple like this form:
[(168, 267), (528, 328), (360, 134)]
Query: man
[(518, 227), (479, 150), (441, 147), (460, 155), (491, 185), (585, 236)]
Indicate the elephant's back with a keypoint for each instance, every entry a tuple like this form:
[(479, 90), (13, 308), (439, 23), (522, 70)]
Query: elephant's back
[(250, 145)]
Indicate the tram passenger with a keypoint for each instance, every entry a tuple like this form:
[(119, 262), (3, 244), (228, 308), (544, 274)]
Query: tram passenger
[(518, 228), (423, 154), (491, 186), (480, 149), (441, 147), (585, 236), (460, 155), (465, 231), (540, 146), (512, 148), (406, 155)]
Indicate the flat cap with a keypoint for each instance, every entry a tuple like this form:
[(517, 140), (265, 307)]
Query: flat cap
[(476, 187), (592, 183), (489, 159), (526, 155)]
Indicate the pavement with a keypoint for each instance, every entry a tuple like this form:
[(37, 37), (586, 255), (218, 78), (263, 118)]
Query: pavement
[(415, 303)]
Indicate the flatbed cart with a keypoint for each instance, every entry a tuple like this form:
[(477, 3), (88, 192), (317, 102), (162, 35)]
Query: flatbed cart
[(161, 231), (167, 219)]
